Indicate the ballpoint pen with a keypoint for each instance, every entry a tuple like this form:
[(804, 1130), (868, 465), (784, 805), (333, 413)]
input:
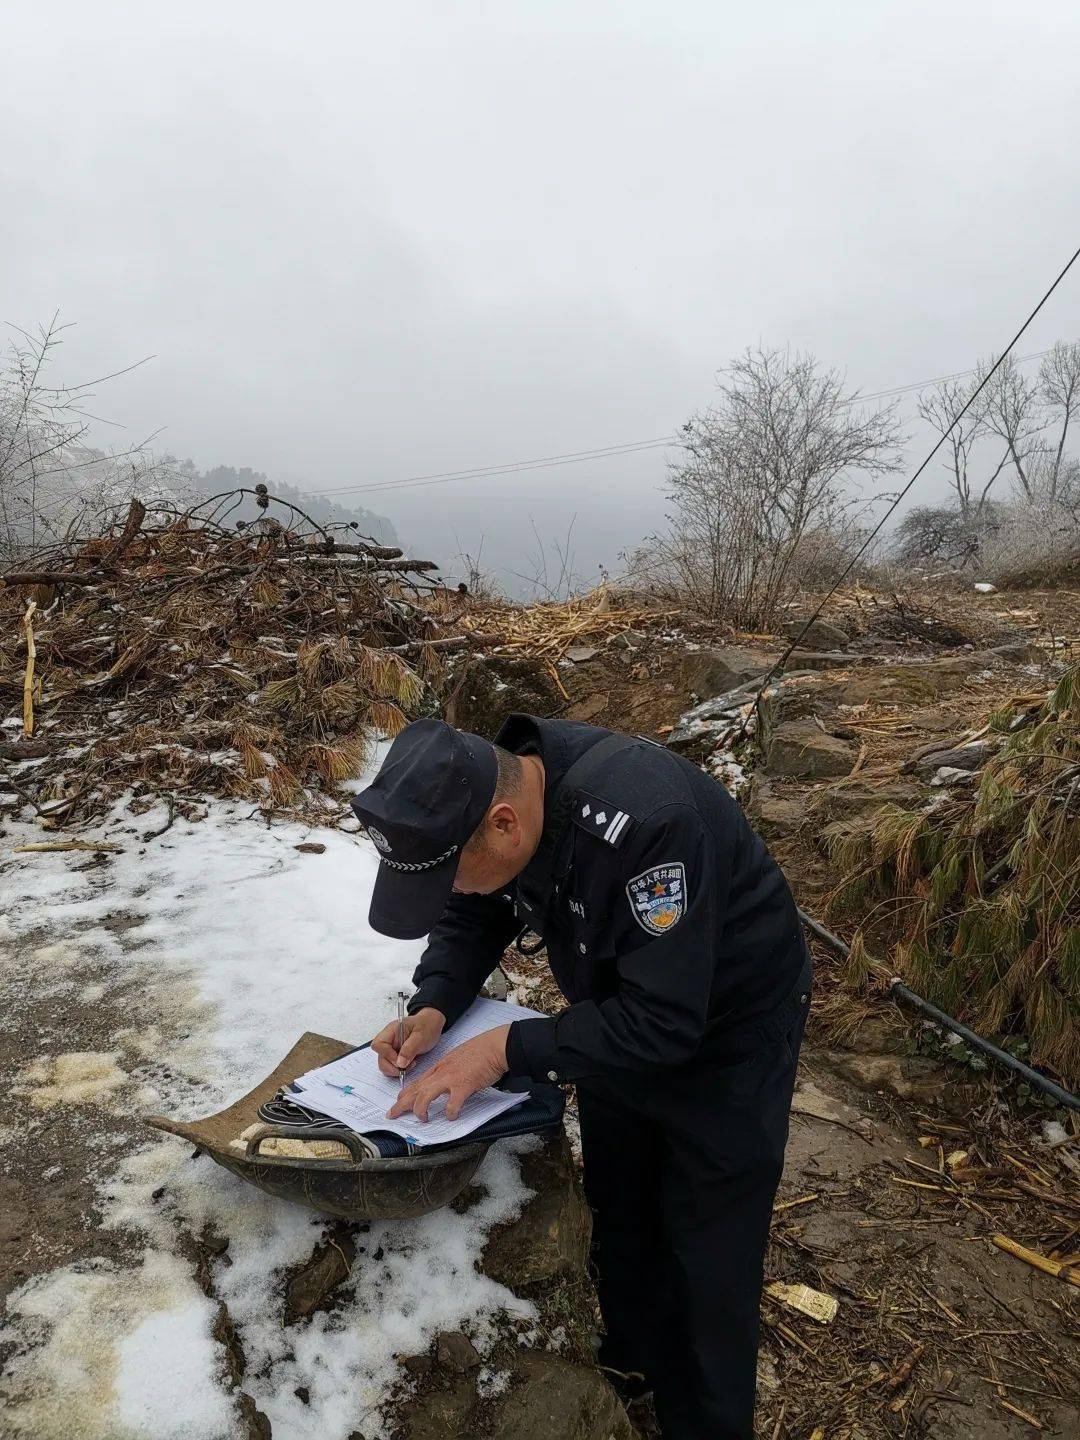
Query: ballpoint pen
[(400, 1033)]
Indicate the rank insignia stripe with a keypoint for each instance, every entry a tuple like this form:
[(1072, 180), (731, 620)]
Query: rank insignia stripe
[(601, 818), (658, 897)]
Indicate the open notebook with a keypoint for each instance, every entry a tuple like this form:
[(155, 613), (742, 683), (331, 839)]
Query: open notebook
[(355, 1092)]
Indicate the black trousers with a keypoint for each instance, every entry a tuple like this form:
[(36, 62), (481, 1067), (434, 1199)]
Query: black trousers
[(681, 1168)]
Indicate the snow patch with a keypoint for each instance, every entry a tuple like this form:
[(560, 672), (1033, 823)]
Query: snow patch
[(243, 944), (82, 1077), (94, 1376), (1054, 1133), (179, 1405)]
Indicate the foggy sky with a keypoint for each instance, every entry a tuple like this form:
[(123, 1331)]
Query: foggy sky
[(366, 242)]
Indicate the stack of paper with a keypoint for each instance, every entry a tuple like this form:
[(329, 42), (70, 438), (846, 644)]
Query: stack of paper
[(354, 1090)]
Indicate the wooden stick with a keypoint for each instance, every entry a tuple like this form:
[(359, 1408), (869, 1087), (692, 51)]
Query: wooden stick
[(49, 845), (1057, 1268), (555, 676), (790, 1204), (28, 679), (1023, 1414)]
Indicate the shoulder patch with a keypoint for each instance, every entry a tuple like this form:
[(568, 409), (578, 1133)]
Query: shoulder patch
[(602, 819), (658, 897)]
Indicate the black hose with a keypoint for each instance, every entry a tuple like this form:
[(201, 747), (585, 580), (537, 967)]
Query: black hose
[(899, 991)]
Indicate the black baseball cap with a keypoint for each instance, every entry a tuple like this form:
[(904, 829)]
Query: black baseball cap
[(425, 804)]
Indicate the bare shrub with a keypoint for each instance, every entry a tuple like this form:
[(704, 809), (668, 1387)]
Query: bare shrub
[(822, 555), (763, 490), (1039, 535), (1033, 536), (937, 535)]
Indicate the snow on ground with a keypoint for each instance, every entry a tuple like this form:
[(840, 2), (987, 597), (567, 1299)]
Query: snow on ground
[(239, 944)]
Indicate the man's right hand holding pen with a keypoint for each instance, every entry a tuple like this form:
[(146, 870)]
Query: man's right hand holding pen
[(421, 1032)]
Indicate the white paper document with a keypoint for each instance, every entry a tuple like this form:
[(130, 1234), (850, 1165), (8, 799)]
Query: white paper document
[(354, 1090)]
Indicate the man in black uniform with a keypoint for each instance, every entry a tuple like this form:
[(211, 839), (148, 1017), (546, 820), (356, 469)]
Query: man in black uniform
[(673, 935)]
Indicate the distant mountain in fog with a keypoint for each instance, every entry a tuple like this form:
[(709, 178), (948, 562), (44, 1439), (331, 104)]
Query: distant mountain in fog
[(319, 507)]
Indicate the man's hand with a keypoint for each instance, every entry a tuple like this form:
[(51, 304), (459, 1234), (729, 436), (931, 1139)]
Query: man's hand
[(469, 1068), (422, 1030)]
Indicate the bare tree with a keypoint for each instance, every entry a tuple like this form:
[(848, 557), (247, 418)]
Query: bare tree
[(51, 480), (1015, 413), (939, 406), (1017, 424), (768, 466), (1059, 390)]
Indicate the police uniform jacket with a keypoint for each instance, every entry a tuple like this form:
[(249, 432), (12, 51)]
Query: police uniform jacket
[(669, 927)]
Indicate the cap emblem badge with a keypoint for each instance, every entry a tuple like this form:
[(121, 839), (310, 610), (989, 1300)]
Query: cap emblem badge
[(379, 840)]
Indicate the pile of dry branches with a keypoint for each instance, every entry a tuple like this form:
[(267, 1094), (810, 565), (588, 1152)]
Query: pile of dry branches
[(173, 657)]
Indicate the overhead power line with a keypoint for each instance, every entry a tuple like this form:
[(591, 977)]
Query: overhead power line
[(604, 452), (779, 665)]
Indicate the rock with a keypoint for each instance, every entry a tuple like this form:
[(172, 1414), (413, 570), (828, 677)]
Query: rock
[(810, 1101), (439, 1414), (581, 654), (224, 1332), (552, 1399), (254, 1425), (496, 986), (909, 684), (799, 749), (906, 1077), (803, 660), (953, 775), (965, 757), (702, 728), (481, 693), (1019, 653), (551, 1235), (311, 847), (774, 815), (312, 1285), (548, 1399), (588, 709), (627, 640), (465, 1199), (818, 635), (860, 797), (455, 1351), (707, 673)]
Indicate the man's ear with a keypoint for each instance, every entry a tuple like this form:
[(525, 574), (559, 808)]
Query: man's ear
[(503, 818)]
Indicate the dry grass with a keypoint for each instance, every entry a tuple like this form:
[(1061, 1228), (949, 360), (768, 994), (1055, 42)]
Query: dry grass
[(983, 890)]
